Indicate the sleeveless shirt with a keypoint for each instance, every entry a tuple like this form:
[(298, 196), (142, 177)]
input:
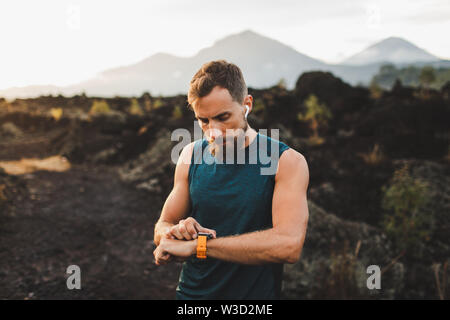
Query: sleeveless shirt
[(232, 199)]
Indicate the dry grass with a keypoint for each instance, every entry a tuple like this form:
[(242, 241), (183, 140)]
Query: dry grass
[(315, 141), (340, 276), (441, 282), (374, 157), (55, 163), (56, 113)]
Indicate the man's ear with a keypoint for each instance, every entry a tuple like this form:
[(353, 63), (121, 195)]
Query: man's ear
[(246, 112)]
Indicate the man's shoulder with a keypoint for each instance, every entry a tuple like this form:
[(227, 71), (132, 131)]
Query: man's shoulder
[(186, 153), (292, 162)]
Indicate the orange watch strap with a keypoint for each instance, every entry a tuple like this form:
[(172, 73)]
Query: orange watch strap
[(201, 247)]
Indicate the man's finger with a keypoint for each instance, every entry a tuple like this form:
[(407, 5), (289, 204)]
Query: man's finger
[(169, 235), (183, 231), (202, 229), (175, 232), (162, 258), (191, 229)]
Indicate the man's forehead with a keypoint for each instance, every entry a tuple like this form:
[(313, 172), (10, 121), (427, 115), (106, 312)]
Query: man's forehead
[(213, 104)]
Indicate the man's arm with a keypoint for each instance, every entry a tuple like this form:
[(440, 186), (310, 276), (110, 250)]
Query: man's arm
[(177, 204), (283, 242)]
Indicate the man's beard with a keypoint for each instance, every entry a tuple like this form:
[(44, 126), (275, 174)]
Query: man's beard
[(230, 142)]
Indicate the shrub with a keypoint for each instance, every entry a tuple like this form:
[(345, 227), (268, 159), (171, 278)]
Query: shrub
[(375, 90), (158, 103), (135, 108), (341, 275), (405, 220), (56, 113), (177, 113), (100, 107), (427, 76), (317, 114)]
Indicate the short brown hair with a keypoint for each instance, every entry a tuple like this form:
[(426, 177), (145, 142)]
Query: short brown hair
[(217, 73)]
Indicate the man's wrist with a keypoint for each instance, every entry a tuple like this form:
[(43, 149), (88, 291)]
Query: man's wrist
[(193, 246)]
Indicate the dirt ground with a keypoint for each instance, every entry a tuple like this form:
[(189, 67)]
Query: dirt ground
[(84, 216)]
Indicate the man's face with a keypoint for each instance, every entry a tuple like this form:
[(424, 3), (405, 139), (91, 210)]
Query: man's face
[(217, 112)]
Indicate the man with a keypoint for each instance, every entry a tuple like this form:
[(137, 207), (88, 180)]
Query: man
[(257, 222)]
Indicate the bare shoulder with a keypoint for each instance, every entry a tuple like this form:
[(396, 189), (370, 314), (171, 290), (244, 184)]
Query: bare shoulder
[(292, 165), (186, 154), (183, 163)]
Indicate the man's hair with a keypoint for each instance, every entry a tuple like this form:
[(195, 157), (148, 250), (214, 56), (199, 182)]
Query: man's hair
[(217, 73)]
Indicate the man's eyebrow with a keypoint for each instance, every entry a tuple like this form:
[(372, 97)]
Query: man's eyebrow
[(215, 117)]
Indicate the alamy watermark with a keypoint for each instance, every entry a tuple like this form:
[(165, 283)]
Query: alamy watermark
[(230, 148), (74, 280), (374, 280), (73, 20)]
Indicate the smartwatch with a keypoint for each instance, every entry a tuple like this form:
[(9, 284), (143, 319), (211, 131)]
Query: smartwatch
[(201, 244)]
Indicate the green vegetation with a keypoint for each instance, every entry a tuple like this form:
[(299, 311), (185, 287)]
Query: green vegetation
[(177, 113), (317, 114), (100, 107), (426, 76), (375, 90), (147, 102), (158, 103), (135, 108), (404, 200), (341, 274)]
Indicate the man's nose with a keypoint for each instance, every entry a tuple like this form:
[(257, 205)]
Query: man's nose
[(214, 133)]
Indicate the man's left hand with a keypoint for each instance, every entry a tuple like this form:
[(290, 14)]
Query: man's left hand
[(178, 248)]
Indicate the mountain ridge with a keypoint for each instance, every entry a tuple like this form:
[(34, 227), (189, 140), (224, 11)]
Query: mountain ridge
[(263, 60)]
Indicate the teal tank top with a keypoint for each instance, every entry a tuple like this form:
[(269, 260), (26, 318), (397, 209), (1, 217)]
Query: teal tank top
[(232, 199)]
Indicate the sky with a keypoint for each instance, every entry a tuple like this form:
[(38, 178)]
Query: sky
[(63, 42)]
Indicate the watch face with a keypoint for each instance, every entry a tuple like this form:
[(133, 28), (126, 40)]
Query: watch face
[(208, 235)]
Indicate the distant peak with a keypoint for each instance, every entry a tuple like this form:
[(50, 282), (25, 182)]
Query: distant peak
[(244, 34), (395, 41), (392, 49), (248, 32), (162, 55)]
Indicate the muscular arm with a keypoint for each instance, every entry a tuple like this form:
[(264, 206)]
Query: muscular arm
[(282, 243), (177, 204)]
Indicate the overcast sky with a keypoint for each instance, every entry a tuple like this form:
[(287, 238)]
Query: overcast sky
[(62, 42)]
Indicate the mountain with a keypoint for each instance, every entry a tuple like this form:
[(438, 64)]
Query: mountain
[(394, 50), (264, 61)]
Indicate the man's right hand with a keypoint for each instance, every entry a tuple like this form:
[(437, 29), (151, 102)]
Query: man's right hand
[(187, 230)]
